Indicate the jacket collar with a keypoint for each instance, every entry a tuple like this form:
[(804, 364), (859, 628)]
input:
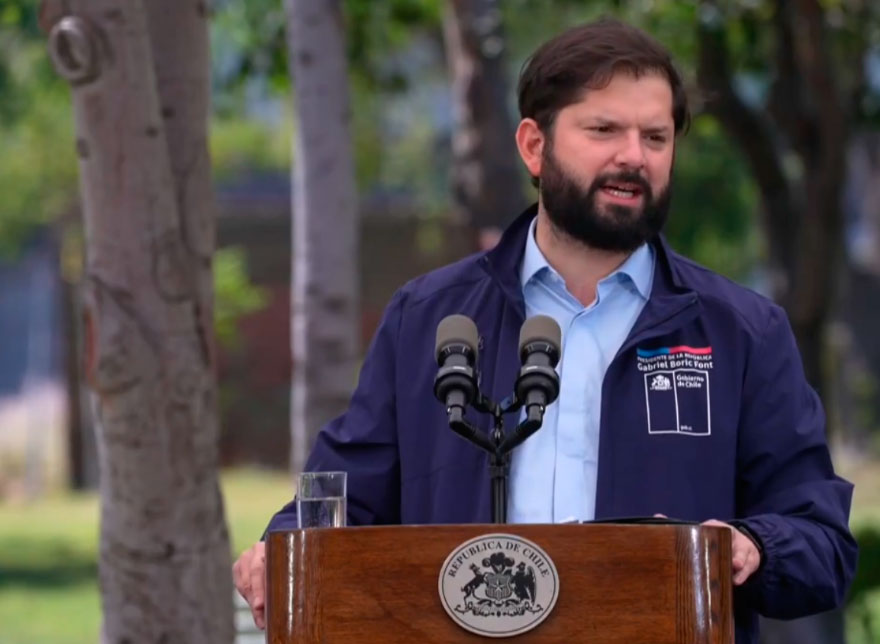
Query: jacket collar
[(503, 263)]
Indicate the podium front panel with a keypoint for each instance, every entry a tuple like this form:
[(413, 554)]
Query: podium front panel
[(618, 584)]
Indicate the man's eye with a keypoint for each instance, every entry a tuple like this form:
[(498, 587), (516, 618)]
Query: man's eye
[(602, 129)]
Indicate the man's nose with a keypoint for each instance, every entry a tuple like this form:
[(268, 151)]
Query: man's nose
[(631, 154)]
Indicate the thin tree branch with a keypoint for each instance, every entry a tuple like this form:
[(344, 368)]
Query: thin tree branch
[(811, 51), (789, 101)]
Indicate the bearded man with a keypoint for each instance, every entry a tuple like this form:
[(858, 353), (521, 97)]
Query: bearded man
[(681, 393)]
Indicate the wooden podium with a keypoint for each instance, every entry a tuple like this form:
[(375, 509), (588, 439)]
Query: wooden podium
[(617, 584)]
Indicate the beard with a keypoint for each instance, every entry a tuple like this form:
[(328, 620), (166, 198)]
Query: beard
[(575, 211)]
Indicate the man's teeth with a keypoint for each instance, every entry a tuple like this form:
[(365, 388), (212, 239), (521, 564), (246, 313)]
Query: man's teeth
[(627, 194)]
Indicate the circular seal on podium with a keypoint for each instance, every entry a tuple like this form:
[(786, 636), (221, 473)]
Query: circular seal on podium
[(498, 585)]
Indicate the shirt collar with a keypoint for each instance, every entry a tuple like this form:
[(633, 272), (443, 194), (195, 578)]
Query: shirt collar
[(638, 268), (533, 261)]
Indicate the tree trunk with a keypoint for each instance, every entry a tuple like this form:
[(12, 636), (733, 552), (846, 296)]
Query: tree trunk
[(863, 196), (144, 176), (860, 315), (486, 181), (324, 318), (78, 476)]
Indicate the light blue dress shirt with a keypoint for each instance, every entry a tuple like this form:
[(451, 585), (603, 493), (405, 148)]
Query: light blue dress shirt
[(553, 474)]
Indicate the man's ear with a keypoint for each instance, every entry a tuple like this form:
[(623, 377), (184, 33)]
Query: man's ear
[(530, 142)]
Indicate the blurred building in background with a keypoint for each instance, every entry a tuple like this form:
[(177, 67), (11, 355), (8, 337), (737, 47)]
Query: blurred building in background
[(396, 245), (46, 433), (33, 394)]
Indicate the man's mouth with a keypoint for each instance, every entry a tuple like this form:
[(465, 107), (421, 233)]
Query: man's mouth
[(622, 190)]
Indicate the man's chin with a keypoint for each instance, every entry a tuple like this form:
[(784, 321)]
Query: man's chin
[(619, 213)]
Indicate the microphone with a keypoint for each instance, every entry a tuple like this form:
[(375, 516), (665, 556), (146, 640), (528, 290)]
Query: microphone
[(537, 384), (456, 352)]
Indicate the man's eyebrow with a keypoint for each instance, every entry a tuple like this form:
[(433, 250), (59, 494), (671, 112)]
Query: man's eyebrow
[(611, 122), (603, 120), (657, 129)]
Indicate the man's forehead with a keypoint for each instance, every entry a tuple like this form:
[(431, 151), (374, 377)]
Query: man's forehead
[(615, 99)]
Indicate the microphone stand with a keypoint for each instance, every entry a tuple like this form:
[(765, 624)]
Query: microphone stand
[(498, 445)]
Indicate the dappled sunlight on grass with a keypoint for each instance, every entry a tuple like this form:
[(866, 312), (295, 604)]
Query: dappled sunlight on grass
[(48, 556), (48, 571), (252, 496), (69, 614), (865, 475)]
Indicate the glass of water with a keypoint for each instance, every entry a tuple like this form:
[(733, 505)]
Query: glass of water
[(320, 499)]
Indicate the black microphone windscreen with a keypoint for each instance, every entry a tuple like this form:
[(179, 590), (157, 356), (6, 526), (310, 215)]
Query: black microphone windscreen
[(540, 328), (456, 329)]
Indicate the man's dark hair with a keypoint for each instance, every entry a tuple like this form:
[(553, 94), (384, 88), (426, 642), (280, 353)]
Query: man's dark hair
[(587, 57)]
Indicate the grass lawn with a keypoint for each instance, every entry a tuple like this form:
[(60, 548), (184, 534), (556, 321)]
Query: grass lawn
[(48, 570), (48, 588), (863, 620), (865, 475)]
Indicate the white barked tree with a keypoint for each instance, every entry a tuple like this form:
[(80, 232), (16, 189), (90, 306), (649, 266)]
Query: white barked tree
[(325, 329), (139, 77)]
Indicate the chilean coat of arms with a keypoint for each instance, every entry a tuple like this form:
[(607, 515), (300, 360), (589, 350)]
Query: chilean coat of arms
[(497, 588), (498, 585)]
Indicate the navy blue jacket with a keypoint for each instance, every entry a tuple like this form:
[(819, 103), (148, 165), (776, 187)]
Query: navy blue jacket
[(745, 441)]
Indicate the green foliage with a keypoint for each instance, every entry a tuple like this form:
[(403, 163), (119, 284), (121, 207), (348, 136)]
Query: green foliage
[(38, 172), (242, 146), (864, 596), (865, 391), (37, 164), (251, 76), (376, 31), (714, 204), (248, 45), (530, 22), (234, 294), (23, 64), (249, 41), (868, 574)]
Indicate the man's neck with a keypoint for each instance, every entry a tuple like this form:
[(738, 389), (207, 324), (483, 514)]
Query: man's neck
[(579, 265)]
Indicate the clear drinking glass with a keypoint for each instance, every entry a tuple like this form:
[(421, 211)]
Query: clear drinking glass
[(320, 499)]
